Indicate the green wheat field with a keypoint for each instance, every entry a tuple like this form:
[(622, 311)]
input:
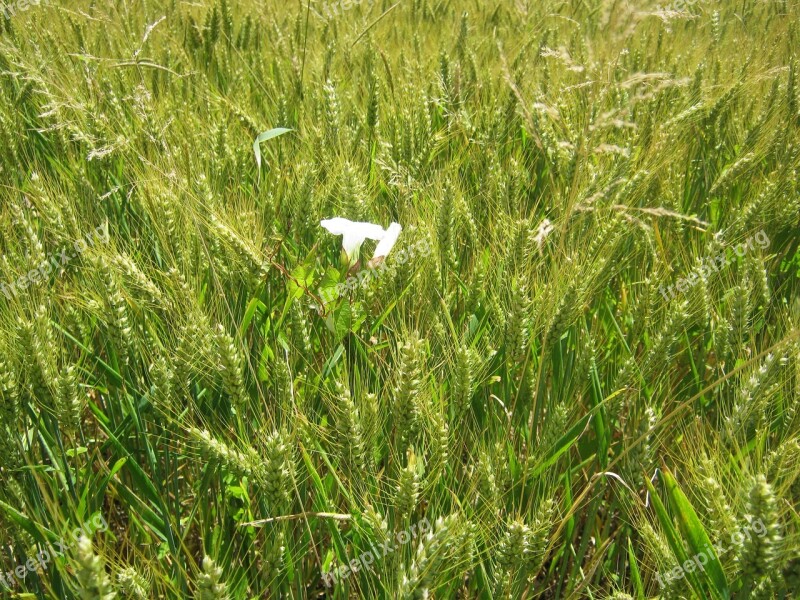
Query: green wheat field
[(575, 373)]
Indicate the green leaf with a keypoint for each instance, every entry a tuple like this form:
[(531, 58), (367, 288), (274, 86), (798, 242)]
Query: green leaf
[(673, 539), (254, 306), (696, 536), (101, 489), (331, 363), (301, 280), (143, 485), (263, 137), (267, 356), (561, 446), (322, 502), (327, 286), (34, 529), (343, 320), (635, 576), (348, 317)]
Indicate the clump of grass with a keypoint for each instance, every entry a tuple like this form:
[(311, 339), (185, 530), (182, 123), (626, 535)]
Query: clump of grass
[(519, 374)]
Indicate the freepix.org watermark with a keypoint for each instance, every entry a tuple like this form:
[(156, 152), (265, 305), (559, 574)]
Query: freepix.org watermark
[(367, 558), (332, 8), (714, 264), (55, 261), (42, 559), (679, 5), (12, 8), (700, 560)]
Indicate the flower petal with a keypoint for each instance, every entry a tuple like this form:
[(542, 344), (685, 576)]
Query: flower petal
[(351, 244), (388, 241), (337, 225), (341, 226)]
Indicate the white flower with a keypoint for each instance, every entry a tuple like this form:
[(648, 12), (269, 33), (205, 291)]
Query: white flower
[(387, 243), (355, 232)]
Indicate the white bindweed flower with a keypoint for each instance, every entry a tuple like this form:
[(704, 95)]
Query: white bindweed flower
[(355, 232), (387, 243)]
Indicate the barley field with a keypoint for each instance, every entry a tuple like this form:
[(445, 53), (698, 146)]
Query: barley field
[(403, 299)]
